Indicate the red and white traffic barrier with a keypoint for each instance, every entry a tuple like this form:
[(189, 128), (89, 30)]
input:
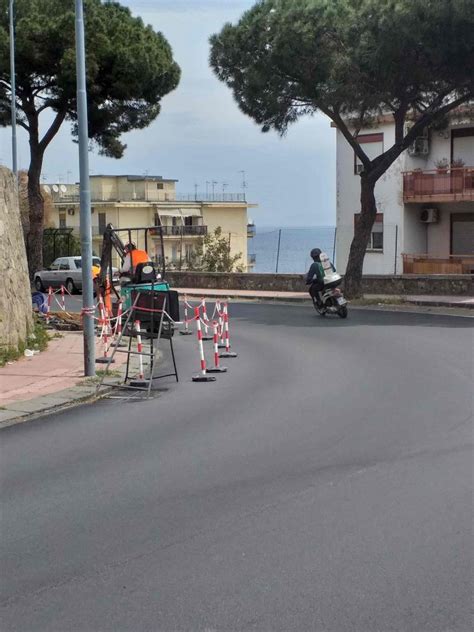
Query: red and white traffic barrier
[(227, 353), (48, 309), (104, 334), (216, 368), (63, 299), (205, 319), (186, 331), (202, 377)]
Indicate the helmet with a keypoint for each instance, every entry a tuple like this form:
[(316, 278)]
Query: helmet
[(314, 254)]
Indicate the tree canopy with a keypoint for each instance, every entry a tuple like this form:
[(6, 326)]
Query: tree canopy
[(130, 67), (352, 60)]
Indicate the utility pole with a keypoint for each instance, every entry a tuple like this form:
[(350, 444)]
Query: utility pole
[(195, 191), (214, 182), (85, 198), (13, 88)]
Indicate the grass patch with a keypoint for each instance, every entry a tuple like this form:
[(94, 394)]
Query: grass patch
[(38, 340), (100, 373)]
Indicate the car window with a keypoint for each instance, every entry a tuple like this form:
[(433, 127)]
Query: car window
[(64, 265), (54, 265), (78, 263)]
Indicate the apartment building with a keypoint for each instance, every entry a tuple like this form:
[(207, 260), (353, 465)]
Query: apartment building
[(131, 201), (425, 201)]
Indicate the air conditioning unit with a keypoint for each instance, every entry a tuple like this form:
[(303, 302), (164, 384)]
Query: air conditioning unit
[(421, 144), (429, 215), (71, 211)]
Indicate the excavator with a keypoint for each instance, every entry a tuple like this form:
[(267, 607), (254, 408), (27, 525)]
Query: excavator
[(143, 278)]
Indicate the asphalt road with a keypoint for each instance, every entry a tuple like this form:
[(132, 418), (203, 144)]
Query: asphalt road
[(323, 484)]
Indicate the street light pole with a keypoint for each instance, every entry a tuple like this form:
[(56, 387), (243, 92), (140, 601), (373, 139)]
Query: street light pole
[(13, 88), (85, 197)]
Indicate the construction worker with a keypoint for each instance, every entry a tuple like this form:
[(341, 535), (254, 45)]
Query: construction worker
[(133, 257)]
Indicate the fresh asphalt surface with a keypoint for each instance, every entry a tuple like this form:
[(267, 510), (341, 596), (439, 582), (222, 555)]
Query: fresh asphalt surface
[(323, 483)]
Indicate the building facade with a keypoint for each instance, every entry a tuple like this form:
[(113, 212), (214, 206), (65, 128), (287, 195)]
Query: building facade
[(425, 201), (128, 201)]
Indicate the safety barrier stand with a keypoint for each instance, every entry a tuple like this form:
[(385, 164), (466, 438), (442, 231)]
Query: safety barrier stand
[(186, 331), (227, 353), (104, 334), (202, 377), (216, 368), (205, 319), (48, 309)]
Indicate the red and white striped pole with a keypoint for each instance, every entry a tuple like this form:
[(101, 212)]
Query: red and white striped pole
[(216, 368), (118, 326), (48, 309), (186, 331), (63, 301), (205, 318), (221, 324), (104, 334), (227, 353), (202, 377)]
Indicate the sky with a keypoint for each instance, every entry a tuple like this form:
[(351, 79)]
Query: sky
[(201, 136)]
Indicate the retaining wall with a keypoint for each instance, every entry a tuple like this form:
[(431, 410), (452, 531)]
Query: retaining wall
[(15, 292), (442, 285)]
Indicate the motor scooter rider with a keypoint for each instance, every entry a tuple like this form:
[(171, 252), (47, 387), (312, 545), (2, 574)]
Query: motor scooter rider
[(315, 276)]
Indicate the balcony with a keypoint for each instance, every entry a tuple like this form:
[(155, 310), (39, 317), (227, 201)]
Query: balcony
[(251, 259), (448, 185), (251, 231), (184, 231)]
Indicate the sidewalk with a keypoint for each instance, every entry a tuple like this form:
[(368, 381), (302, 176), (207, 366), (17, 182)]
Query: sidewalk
[(466, 302), (51, 379)]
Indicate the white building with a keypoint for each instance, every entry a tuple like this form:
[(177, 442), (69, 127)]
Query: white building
[(425, 201)]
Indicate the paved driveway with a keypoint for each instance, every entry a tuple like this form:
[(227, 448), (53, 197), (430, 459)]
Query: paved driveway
[(323, 484)]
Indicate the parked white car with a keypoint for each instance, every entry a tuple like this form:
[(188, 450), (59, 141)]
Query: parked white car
[(66, 271)]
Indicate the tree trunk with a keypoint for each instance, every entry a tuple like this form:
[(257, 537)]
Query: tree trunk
[(363, 229), (36, 205)]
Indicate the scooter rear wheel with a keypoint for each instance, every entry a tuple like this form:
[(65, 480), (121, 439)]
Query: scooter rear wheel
[(342, 312)]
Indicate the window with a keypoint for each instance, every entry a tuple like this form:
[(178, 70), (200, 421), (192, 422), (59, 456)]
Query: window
[(462, 233), (376, 236), (54, 265), (188, 252), (160, 185), (102, 222), (62, 221), (64, 265), (372, 144)]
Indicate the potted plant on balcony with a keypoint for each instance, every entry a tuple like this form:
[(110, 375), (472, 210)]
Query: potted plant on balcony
[(442, 165)]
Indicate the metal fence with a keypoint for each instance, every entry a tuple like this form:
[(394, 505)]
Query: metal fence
[(286, 250)]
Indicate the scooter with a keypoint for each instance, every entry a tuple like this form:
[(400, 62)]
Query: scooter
[(332, 300)]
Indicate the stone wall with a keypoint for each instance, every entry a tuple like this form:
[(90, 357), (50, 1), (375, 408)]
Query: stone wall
[(451, 285), (15, 292)]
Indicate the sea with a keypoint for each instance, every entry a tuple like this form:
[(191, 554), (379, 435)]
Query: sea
[(291, 256)]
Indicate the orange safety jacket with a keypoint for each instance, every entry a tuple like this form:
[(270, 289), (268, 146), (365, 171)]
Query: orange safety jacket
[(138, 256)]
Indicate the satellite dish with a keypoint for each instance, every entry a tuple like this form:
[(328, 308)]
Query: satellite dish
[(46, 188), (55, 188), (63, 188)]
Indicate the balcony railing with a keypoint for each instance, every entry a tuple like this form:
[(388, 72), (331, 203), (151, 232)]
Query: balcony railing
[(442, 185), (251, 259), (426, 264), (60, 198), (185, 231), (210, 197)]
